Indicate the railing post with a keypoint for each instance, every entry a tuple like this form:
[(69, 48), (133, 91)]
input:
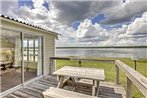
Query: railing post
[(50, 64), (135, 64), (117, 74), (129, 88), (80, 63)]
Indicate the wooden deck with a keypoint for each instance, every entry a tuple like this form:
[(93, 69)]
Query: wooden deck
[(35, 89)]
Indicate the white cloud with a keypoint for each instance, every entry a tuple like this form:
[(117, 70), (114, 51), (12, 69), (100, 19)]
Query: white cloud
[(114, 36), (38, 5), (125, 12), (7, 7), (116, 11), (138, 26), (133, 34), (67, 12), (95, 35), (136, 33), (31, 15), (89, 32)]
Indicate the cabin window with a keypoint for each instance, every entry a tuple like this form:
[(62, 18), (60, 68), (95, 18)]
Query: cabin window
[(31, 49)]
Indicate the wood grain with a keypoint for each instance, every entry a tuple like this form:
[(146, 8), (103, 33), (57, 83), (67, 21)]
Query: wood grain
[(80, 72)]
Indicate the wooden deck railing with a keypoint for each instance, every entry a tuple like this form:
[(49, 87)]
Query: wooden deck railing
[(80, 60), (133, 77)]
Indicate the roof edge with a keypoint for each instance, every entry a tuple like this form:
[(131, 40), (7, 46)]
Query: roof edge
[(27, 24)]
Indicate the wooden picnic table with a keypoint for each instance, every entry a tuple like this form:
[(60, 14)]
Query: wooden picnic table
[(6, 63), (96, 75)]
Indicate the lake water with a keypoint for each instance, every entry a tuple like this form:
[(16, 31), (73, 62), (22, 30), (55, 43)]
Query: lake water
[(104, 52)]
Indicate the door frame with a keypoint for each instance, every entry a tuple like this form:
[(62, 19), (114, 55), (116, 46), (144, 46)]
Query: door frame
[(39, 66)]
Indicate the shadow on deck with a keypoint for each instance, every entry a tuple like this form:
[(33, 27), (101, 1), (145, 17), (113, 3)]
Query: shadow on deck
[(35, 89)]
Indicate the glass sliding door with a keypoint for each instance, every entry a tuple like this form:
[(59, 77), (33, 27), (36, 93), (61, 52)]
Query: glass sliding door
[(21, 58), (10, 59), (32, 56)]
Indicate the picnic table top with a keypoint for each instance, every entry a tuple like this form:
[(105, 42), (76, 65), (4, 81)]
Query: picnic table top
[(81, 72)]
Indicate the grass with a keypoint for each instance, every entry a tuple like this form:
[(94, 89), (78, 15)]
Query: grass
[(110, 70)]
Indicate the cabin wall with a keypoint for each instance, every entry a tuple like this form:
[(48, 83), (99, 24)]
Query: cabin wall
[(49, 50), (48, 39)]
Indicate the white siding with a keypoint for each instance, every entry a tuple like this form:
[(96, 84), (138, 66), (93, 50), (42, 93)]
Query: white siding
[(49, 50)]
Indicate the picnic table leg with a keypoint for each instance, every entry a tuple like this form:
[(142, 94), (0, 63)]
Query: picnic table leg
[(72, 79), (95, 88), (60, 83), (58, 78), (11, 65)]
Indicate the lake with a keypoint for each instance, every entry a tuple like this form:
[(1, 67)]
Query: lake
[(104, 52)]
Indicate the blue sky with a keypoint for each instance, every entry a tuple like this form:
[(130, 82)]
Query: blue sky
[(29, 3), (85, 23), (98, 18)]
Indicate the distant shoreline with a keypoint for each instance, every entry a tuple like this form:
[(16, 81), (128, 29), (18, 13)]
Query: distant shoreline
[(102, 47)]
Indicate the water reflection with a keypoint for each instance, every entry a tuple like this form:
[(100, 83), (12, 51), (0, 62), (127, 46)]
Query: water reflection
[(105, 52)]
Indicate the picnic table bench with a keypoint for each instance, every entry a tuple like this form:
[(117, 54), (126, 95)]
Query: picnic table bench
[(60, 93)]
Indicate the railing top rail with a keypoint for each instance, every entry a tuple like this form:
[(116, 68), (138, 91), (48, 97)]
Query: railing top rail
[(81, 59), (137, 79), (60, 58)]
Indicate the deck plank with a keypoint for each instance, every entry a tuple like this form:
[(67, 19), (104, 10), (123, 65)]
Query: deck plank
[(22, 95), (39, 85), (12, 96), (31, 92), (35, 89)]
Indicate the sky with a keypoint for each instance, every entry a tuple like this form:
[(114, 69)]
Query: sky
[(85, 22)]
